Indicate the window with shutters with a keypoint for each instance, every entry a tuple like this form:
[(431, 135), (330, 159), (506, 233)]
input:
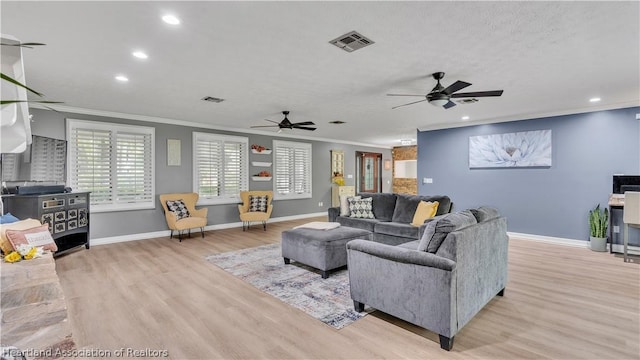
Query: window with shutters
[(114, 162), (48, 158), (10, 166), (292, 170), (220, 167)]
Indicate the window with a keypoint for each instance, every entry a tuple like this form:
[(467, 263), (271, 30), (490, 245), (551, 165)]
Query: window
[(292, 170), (48, 159), (114, 162), (220, 167), (9, 166)]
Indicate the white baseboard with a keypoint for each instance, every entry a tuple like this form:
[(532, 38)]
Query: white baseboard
[(163, 233), (633, 250)]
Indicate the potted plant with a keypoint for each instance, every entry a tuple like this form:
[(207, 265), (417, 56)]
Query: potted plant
[(598, 223)]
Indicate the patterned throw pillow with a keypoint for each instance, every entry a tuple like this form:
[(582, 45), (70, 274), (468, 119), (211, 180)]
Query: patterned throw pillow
[(179, 208), (258, 203), (361, 208)]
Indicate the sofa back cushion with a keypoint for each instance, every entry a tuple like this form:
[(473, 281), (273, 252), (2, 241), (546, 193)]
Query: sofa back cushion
[(485, 213), (406, 206), (438, 229), (382, 205)]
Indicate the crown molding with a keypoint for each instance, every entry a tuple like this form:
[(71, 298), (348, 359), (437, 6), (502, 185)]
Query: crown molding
[(160, 120), (529, 116)]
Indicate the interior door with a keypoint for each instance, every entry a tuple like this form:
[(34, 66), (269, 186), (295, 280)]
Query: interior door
[(369, 172)]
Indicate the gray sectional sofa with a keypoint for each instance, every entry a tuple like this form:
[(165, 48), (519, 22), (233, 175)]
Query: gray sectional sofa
[(439, 282), (393, 216)]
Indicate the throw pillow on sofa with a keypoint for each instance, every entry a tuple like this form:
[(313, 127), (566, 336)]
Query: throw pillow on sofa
[(437, 230), (36, 236), (426, 210), (361, 208), (344, 204)]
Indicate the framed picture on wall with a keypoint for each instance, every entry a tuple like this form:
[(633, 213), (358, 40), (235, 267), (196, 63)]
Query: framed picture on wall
[(518, 149), (173, 152)]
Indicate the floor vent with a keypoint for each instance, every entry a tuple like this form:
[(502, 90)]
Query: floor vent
[(351, 41), (212, 99)]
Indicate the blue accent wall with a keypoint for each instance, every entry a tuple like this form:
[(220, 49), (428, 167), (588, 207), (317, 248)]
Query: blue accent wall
[(588, 149)]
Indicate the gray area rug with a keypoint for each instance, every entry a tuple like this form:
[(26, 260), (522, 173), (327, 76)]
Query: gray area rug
[(327, 300)]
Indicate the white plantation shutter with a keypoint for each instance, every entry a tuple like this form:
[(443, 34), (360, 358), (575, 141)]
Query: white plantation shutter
[(9, 166), (292, 170), (134, 176), (114, 162), (48, 157), (220, 167)]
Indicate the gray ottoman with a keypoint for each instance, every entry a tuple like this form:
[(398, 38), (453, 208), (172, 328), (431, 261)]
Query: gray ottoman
[(322, 249)]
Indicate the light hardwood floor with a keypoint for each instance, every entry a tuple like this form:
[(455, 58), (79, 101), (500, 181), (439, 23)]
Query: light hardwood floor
[(560, 302)]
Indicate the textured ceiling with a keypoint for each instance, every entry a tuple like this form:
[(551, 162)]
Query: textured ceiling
[(265, 57)]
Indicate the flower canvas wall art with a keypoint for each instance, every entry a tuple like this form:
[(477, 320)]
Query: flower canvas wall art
[(519, 149)]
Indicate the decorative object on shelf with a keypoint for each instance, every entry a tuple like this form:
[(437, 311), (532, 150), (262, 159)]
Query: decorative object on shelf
[(598, 223), (173, 152), (338, 180), (519, 149), (263, 175), (260, 164), (259, 149)]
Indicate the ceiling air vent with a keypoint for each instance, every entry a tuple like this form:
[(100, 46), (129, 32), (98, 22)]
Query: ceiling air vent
[(351, 41), (212, 99)]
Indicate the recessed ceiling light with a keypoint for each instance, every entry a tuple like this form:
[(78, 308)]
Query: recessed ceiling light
[(465, 118), (122, 78), (171, 20), (595, 99), (140, 55)]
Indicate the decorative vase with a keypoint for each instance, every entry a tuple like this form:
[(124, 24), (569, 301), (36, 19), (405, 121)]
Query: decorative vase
[(598, 244)]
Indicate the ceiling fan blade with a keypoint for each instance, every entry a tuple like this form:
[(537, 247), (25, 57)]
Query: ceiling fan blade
[(478, 94), (259, 126), (450, 104), (404, 95), (415, 102), (456, 86), (303, 128), (304, 123), (275, 122)]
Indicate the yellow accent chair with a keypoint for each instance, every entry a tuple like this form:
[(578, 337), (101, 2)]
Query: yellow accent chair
[(197, 217), (248, 216)]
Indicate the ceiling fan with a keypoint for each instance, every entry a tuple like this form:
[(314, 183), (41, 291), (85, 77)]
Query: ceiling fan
[(441, 96), (286, 124)]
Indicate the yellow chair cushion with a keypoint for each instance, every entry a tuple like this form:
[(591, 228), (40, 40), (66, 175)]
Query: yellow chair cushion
[(5, 244), (425, 210), (190, 223)]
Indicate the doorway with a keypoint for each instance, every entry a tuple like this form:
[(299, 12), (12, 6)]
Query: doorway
[(368, 172)]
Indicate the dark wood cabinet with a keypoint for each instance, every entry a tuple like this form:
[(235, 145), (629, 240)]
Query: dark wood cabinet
[(66, 213)]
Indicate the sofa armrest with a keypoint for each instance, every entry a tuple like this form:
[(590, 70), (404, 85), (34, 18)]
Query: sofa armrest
[(402, 255), (333, 213)]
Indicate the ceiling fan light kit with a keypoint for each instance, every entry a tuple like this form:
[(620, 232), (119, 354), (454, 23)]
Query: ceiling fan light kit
[(441, 96)]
